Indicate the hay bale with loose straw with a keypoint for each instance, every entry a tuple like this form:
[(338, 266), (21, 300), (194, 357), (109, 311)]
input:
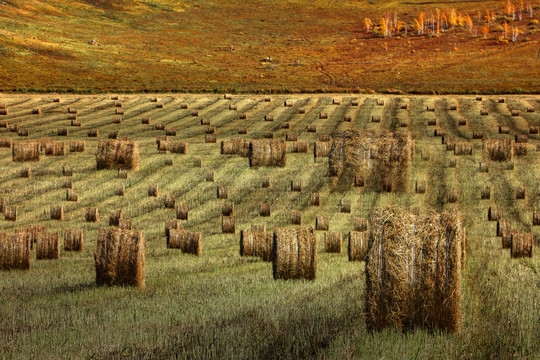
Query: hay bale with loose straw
[(57, 212), (321, 149), (296, 185), (257, 242), (291, 137), (13, 127), (76, 123), (413, 270), (268, 134), (497, 149), (294, 254), (170, 132), (267, 153), (92, 215), (332, 242), (522, 245), (47, 246), (120, 257), (115, 217), (210, 138), (73, 240), (205, 121), (117, 154), (463, 148), (23, 132), (171, 225), (322, 223), (126, 224), (520, 149), (227, 209), (228, 225), (182, 212), (92, 133), (160, 126), (378, 157), (27, 151), (358, 245), (71, 195), (187, 241), (360, 224), (15, 251), (296, 217), (314, 199)]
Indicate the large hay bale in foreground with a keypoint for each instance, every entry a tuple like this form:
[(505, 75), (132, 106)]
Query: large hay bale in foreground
[(379, 157), (117, 154), (267, 153), (294, 254), (27, 151), (413, 270), (48, 246), (120, 257), (187, 241), (257, 242), (358, 245), (15, 251)]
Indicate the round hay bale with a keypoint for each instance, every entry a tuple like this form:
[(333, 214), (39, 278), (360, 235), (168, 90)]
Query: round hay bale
[(182, 212), (268, 134), (336, 102), (233, 107), (188, 242), (73, 240), (322, 223), (515, 112), (314, 199), (430, 108), (403, 124), (503, 226), (26, 173), (267, 153), (63, 132), (93, 133), (119, 112), (265, 181), (404, 106), (146, 120), (494, 213), (67, 183), (288, 103), (76, 123), (321, 149), (291, 137), (451, 196), (159, 126), (267, 99), (432, 122), (453, 107), (153, 99), (47, 246), (3, 124), (205, 121), (530, 109), (462, 122), (228, 225), (170, 132), (311, 128), (380, 102), (332, 242), (294, 254), (478, 98), (183, 106), (296, 217), (296, 185), (170, 225), (117, 154), (504, 130), (483, 167), (160, 106), (119, 189), (57, 212), (420, 187), (536, 218), (375, 118), (485, 193), (194, 113), (358, 245), (153, 190), (92, 215), (4, 112), (520, 149), (497, 149), (222, 192), (209, 176), (345, 205), (257, 242), (10, 213), (284, 125), (264, 210), (242, 116), (77, 146), (347, 118), (6, 143), (477, 135), (13, 127), (115, 217), (533, 129), (462, 148), (268, 117), (323, 115), (23, 132), (520, 193), (117, 120), (227, 209), (36, 111), (169, 201), (360, 224), (521, 139), (354, 103), (324, 138), (242, 130), (120, 257), (122, 174), (15, 250), (301, 110), (72, 110), (300, 147), (522, 245), (484, 112), (210, 138), (71, 195)]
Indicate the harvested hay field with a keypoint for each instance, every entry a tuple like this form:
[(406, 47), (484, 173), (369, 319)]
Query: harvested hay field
[(224, 302)]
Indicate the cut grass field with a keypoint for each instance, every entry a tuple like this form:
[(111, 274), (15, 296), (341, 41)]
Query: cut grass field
[(220, 305), (210, 45)]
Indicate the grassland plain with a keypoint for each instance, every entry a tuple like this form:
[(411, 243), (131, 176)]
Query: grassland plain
[(210, 45), (220, 305)]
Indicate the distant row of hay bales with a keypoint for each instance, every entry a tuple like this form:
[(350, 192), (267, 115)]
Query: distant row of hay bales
[(380, 158), (413, 270)]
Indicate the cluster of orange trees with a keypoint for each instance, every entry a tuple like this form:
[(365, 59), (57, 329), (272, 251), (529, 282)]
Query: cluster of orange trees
[(441, 21)]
